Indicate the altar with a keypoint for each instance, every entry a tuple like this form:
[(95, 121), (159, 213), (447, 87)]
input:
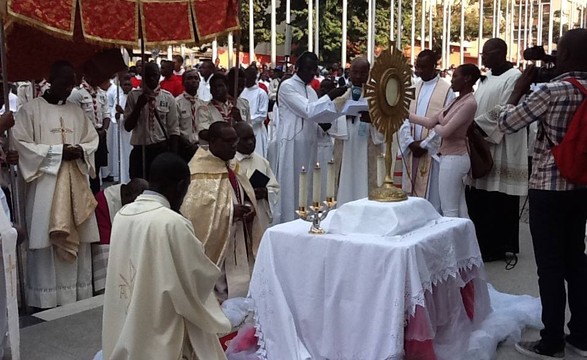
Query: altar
[(387, 281)]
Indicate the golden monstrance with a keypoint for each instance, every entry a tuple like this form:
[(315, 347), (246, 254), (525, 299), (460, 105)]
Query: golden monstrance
[(389, 92)]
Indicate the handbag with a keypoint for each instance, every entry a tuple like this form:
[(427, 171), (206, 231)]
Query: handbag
[(479, 153)]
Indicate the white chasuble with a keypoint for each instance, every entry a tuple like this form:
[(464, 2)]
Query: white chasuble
[(159, 301), (40, 131)]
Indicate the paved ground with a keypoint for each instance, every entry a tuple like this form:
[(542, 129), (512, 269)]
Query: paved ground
[(77, 337)]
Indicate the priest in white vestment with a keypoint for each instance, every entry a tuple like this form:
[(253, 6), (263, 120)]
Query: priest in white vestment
[(495, 198), (300, 112), (258, 105), (361, 142), (159, 301), (418, 146), (222, 206), (56, 143), (117, 117), (250, 162)]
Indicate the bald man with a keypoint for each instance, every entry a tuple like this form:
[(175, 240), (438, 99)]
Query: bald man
[(558, 207), (493, 200), (359, 141)]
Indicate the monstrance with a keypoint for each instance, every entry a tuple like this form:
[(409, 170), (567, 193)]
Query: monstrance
[(389, 92)]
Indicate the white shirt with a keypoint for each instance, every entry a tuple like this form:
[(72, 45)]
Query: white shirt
[(204, 93)]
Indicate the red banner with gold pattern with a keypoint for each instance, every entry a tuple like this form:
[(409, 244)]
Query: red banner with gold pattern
[(215, 17), (121, 22)]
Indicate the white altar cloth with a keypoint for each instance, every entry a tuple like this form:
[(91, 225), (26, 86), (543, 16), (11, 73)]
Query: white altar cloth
[(339, 297)]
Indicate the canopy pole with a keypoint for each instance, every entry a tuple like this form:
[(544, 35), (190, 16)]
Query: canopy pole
[(238, 49), (143, 148), (12, 171)]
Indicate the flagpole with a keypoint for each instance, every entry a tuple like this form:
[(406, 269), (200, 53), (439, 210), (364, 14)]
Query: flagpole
[(317, 30), (344, 34), (230, 49), (252, 30), (413, 33), (273, 34), (462, 50), (444, 21), (310, 26), (430, 8), (423, 26), (480, 40), (448, 33)]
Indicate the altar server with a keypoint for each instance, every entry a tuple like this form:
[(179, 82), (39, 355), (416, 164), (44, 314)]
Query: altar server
[(258, 105)]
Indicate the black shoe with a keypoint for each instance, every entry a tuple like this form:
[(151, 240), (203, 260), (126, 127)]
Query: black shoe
[(537, 350), (108, 179)]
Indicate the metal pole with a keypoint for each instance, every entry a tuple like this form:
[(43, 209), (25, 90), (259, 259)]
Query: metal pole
[(317, 30), (448, 33), (480, 40), (494, 20), (498, 19), (252, 31), (310, 26), (413, 33), (422, 26), (531, 24), (507, 27), (369, 31), (391, 21), (519, 33), (399, 26), (550, 25), (462, 50), (444, 21), (230, 49), (430, 7), (344, 34), (12, 171), (273, 34), (145, 129)]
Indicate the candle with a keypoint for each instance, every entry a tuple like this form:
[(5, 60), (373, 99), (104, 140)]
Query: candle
[(380, 169), (317, 182), (330, 180), (303, 190)]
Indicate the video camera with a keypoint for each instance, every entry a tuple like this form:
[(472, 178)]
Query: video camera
[(547, 71)]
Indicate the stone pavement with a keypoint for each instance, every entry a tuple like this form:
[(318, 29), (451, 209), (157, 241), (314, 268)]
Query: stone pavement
[(77, 336)]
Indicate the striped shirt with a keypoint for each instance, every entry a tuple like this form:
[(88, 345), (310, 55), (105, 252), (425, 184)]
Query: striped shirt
[(553, 105)]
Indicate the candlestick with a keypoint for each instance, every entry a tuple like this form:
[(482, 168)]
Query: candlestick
[(330, 180), (317, 184), (380, 169), (303, 190)]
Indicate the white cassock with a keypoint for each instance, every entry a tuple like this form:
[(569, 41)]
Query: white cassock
[(356, 137), (267, 209), (38, 136), (14, 102), (9, 329), (124, 147), (300, 111), (258, 105), (159, 301), (273, 143), (112, 134)]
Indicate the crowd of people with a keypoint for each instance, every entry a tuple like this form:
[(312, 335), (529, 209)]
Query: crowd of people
[(205, 161)]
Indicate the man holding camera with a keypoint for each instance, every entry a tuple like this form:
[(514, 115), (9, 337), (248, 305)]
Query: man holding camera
[(558, 207)]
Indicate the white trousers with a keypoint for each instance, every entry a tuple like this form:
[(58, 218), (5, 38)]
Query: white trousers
[(451, 185)]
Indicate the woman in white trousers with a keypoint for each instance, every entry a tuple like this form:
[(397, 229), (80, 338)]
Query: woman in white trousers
[(452, 124)]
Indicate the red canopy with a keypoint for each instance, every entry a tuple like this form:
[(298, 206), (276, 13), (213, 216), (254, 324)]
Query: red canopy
[(163, 22), (40, 32)]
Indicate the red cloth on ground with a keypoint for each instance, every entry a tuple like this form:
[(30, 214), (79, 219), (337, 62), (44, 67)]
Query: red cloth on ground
[(103, 218), (173, 85)]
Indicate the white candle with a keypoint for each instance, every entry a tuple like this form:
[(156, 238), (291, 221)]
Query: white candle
[(303, 190), (317, 184), (380, 169), (330, 180)]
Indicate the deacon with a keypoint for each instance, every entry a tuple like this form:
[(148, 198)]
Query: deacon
[(187, 109), (418, 146), (159, 301), (110, 200), (151, 115), (250, 162), (300, 112), (258, 104), (56, 142), (495, 198), (222, 206), (361, 143)]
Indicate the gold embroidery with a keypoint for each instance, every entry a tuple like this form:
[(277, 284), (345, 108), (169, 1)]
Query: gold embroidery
[(126, 287), (11, 267), (62, 129)]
